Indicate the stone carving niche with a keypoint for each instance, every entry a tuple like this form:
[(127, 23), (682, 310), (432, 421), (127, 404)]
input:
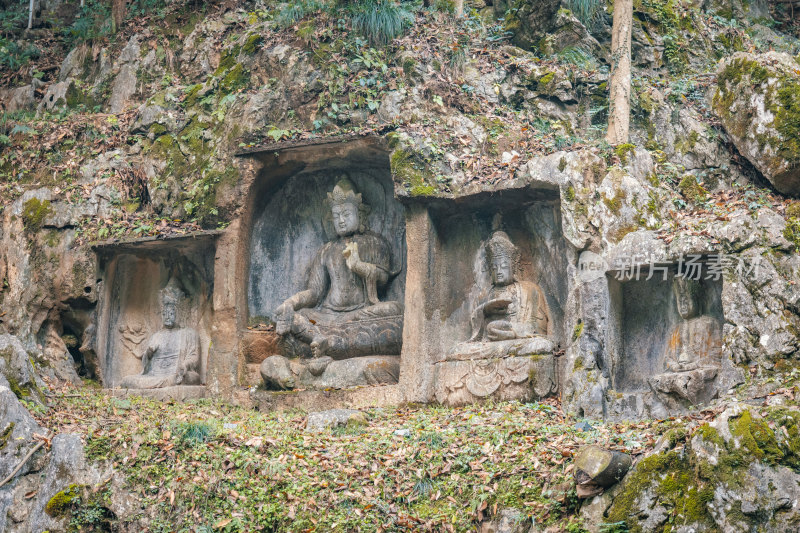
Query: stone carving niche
[(155, 316), (326, 276), (665, 343), (498, 286)]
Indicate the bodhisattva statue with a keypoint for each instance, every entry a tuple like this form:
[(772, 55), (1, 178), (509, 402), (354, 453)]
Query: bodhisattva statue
[(509, 332), (693, 354), (339, 314), (172, 355)]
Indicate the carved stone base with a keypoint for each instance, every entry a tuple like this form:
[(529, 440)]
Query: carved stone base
[(694, 387), (311, 400), (280, 373), (509, 378), (179, 392)]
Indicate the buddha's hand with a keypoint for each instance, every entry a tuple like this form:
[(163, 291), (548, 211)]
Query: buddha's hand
[(500, 330), (496, 305), (354, 262), (180, 375), (284, 314), (147, 354), (351, 257)]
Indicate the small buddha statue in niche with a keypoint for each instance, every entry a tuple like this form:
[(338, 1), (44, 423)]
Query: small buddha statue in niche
[(509, 354), (172, 355), (514, 319), (339, 315), (693, 354)]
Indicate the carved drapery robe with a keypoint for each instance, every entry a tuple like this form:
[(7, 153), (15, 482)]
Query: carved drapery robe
[(346, 310), (173, 351)]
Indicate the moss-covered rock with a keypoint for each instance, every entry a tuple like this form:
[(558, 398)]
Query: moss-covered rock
[(62, 501), (758, 102), (34, 211), (725, 476)]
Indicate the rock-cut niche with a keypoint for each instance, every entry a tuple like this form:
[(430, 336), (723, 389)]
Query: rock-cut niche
[(326, 277), (498, 292), (155, 314), (665, 340)]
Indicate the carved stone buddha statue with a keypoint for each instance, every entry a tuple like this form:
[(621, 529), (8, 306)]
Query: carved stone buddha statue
[(509, 334), (172, 355), (694, 349), (513, 320), (339, 315)]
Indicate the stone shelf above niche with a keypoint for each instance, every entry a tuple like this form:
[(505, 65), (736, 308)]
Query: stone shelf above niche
[(155, 314)]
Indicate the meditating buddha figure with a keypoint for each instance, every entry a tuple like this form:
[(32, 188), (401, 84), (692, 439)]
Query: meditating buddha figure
[(339, 315), (509, 342), (513, 320), (172, 354), (694, 349)]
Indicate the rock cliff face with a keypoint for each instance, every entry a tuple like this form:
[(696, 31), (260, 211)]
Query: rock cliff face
[(137, 136)]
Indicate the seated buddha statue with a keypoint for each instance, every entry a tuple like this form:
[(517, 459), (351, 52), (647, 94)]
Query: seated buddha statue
[(508, 355), (339, 314), (694, 349), (172, 354), (513, 320)]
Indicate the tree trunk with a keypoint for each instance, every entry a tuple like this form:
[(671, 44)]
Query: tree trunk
[(117, 14), (458, 8), (30, 15), (619, 105)]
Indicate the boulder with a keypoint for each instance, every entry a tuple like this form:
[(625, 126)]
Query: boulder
[(16, 368), (19, 98), (733, 474), (17, 427), (65, 477), (757, 100), (530, 21), (333, 418)]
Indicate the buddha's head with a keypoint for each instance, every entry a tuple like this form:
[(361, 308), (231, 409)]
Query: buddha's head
[(687, 296), (346, 208), (170, 298), (500, 252)]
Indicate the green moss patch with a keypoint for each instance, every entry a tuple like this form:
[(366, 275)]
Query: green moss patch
[(34, 211), (408, 169), (623, 152), (6, 434), (692, 190), (62, 501)]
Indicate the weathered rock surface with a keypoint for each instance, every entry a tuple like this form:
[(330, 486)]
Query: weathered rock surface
[(733, 474), (757, 99), (321, 420), (17, 427), (16, 368)]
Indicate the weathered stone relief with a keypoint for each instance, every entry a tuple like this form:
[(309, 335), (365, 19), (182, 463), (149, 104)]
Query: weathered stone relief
[(498, 307), (664, 341), (343, 329), (152, 328), (693, 354), (172, 355), (509, 352)]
